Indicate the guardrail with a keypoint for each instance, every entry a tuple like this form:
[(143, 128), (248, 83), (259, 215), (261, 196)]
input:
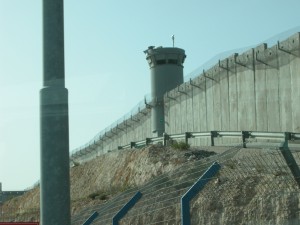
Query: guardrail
[(90, 152), (243, 135)]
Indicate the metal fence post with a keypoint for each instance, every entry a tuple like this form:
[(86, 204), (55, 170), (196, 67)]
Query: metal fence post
[(289, 158), (194, 190), (91, 218), (126, 208)]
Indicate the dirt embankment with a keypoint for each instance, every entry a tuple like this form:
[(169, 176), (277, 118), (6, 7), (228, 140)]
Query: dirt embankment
[(96, 181), (253, 187)]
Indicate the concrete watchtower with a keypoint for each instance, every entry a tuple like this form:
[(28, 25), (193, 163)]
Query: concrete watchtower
[(166, 66)]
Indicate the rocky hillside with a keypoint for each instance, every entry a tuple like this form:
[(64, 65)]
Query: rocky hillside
[(254, 186), (96, 181)]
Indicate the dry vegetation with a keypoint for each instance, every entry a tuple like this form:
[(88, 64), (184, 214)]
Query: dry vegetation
[(97, 181), (253, 187)]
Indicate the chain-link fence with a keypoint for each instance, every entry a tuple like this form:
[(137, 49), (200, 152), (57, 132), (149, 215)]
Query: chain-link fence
[(254, 186), (162, 193)]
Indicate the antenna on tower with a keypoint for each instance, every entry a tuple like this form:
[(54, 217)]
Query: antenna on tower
[(173, 39)]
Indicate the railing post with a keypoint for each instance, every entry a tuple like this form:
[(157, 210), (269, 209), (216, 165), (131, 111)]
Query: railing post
[(126, 208), (91, 218), (166, 138), (187, 136), (194, 190), (213, 134), (245, 135), (148, 141), (132, 144)]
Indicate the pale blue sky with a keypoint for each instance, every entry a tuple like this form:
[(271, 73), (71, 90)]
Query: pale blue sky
[(106, 70)]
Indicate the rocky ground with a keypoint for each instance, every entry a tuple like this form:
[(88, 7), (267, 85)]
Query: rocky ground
[(253, 187), (96, 181)]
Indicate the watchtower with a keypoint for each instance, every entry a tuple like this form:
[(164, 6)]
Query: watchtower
[(166, 67)]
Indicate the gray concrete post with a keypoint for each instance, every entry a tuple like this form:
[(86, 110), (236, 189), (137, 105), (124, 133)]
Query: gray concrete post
[(54, 127)]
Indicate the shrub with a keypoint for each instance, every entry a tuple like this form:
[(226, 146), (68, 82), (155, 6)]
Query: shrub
[(180, 145), (93, 195), (98, 195), (103, 197)]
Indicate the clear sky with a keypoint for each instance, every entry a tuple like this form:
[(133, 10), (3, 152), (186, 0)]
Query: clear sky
[(106, 71)]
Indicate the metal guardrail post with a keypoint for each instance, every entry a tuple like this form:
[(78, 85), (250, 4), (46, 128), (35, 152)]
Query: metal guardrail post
[(132, 144), (289, 158), (245, 135), (166, 138), (126, 208), (148, 141), (213, 134), (187, 136), (287, 136), (91, 218), (194, 190)]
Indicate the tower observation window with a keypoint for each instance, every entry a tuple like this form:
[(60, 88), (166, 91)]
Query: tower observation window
[(173, 61), (161, 61)]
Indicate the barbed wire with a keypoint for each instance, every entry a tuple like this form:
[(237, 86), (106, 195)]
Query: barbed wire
[(140, 106), (213, 61)]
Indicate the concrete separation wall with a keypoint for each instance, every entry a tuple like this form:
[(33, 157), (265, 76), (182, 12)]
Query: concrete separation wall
[(6, 195), (257, 90), (136, 128)]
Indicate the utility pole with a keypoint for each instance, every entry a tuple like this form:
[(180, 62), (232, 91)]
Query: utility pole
[(54, 122)]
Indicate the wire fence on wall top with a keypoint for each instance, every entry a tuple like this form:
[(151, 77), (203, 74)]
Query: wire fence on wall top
[(213, 61), (135, 110)]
